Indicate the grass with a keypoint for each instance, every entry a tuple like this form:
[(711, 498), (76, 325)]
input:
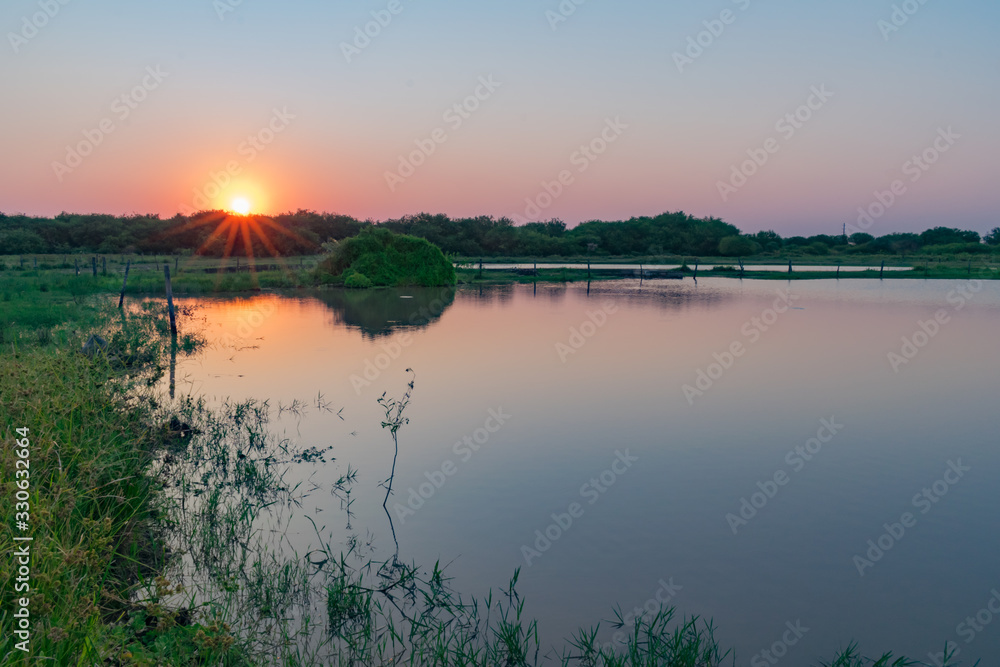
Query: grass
[(147, 522), (92, 434)]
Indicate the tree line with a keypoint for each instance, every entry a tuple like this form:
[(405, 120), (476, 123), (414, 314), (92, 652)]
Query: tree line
[(216, 233)]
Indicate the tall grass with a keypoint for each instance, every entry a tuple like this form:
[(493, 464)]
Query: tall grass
[(92, 437)]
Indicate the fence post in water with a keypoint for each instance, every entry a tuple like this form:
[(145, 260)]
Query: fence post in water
[(838, 271), (740, 260), (170, 301), (536, 269), (480, 267), (121, 299), (789, 266), (588, 276), (173, 366), (640, 275), (882, 270), (696, 270)]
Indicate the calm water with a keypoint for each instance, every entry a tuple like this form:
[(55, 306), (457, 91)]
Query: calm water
[(776, 268), (576, 406)]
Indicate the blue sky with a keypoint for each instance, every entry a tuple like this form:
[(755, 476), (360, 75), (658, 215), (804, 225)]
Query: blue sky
[(227, 71)]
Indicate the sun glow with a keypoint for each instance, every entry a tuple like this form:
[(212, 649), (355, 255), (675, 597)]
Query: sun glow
[(241, 206)]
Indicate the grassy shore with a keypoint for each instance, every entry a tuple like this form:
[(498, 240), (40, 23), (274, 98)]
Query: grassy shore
[(125, 490), (58, 289)]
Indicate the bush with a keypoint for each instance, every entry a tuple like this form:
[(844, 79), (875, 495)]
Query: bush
[(382, 258), (356, 280), (956, 249), (817, 248), (737, 246)]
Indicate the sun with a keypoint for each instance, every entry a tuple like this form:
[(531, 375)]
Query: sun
[(240, 205)]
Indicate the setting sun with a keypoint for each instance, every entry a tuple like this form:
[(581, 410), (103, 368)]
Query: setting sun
[(240, 205)]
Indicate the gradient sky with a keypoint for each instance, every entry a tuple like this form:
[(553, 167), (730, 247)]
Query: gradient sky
[(227, 71)]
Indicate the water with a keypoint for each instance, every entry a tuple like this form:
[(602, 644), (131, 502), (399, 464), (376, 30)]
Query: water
[(779, 268), (577, 403)]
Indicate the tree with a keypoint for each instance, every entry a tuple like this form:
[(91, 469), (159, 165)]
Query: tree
[(947, 235), (993, 238), (20, 241), (737, 246)]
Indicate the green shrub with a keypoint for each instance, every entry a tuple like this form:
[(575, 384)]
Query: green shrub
[(386, 259), (738, 246), (356, 280)]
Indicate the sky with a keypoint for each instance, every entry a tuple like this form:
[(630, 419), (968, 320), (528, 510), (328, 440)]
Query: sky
[(787, 115)]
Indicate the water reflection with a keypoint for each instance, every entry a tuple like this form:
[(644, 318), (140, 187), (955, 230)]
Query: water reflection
[(496, 347), (380, 312)]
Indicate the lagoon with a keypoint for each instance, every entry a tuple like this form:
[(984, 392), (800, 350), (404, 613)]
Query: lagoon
[(610, 442)]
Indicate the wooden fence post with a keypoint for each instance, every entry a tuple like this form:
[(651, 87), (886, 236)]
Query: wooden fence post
[(170, 301), (121, 299)]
